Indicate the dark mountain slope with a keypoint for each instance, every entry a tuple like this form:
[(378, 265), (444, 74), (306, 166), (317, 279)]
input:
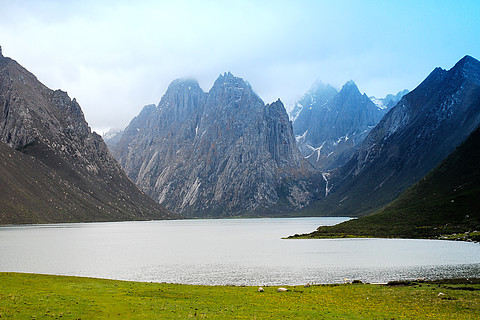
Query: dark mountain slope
[(32, 192), (412, 138), (50, 127), (445, 202)]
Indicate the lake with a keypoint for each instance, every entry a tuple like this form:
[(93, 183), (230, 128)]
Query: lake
[(227, 252)]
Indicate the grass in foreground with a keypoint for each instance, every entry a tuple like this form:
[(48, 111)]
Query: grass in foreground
[(31, 296)]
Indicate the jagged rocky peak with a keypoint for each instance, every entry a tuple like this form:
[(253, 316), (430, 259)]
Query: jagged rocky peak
[(316, 97), (280, 140), (351, 91), (329, 128), (183, 85), (321, 92), (75, 120), (231, 87), (229, 80), (181, 88), (463, 76), (230, 154), (181, 99), (468, 63), (350, 87), (469, 67), (277, 105), (231, 96), (34, 113), (436, 74)]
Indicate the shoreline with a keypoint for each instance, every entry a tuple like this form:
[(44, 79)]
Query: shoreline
[(461, 280)]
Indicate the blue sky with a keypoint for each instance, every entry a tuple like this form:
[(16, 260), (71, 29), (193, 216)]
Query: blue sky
[(117, 56)]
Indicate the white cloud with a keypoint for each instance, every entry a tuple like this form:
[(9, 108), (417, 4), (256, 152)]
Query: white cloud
[(116, 56)]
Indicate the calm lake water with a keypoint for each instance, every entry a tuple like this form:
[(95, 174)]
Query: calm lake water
[(238, 252)]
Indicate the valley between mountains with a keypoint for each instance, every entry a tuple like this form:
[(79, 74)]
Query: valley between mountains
[(406, 164)]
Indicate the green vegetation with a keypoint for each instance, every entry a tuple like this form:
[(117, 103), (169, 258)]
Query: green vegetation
[(31, 296), (443, 205)]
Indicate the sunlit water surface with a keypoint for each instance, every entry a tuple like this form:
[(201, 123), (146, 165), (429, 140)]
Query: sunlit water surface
[(220, 252)]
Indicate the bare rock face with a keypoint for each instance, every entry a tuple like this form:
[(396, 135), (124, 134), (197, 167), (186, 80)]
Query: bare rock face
[(220, 153), (330, 125), (51, 127)]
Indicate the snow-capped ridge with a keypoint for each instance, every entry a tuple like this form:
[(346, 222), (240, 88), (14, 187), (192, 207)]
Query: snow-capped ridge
[(390, 100), (334, 124)]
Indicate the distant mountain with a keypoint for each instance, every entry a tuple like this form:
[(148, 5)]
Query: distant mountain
[(329, 125), (389, 101), (444, 205), (112, 137), (221, 153), (413, 137), (62, 171), (315, 98)]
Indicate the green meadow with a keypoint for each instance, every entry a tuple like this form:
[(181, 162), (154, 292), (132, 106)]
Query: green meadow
[(32, 296)]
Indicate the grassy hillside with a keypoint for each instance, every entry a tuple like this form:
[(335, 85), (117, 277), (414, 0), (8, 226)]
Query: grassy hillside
[(29, 296), (444, 204)]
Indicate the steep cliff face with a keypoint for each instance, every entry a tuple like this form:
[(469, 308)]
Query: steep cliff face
[(414, 136), (330, 125), (219, 153), (51, 127)]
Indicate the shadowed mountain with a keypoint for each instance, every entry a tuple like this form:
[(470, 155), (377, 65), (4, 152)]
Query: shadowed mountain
[(412, 138), (50, 130), (444, 204)]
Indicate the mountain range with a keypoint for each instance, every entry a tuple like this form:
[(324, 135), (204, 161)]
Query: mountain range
[(54, 169), (217, 153), (226, 153), (423, 128), (330, 125)]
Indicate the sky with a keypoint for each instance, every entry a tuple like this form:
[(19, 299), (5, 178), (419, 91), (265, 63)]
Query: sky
[(115, 57)]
